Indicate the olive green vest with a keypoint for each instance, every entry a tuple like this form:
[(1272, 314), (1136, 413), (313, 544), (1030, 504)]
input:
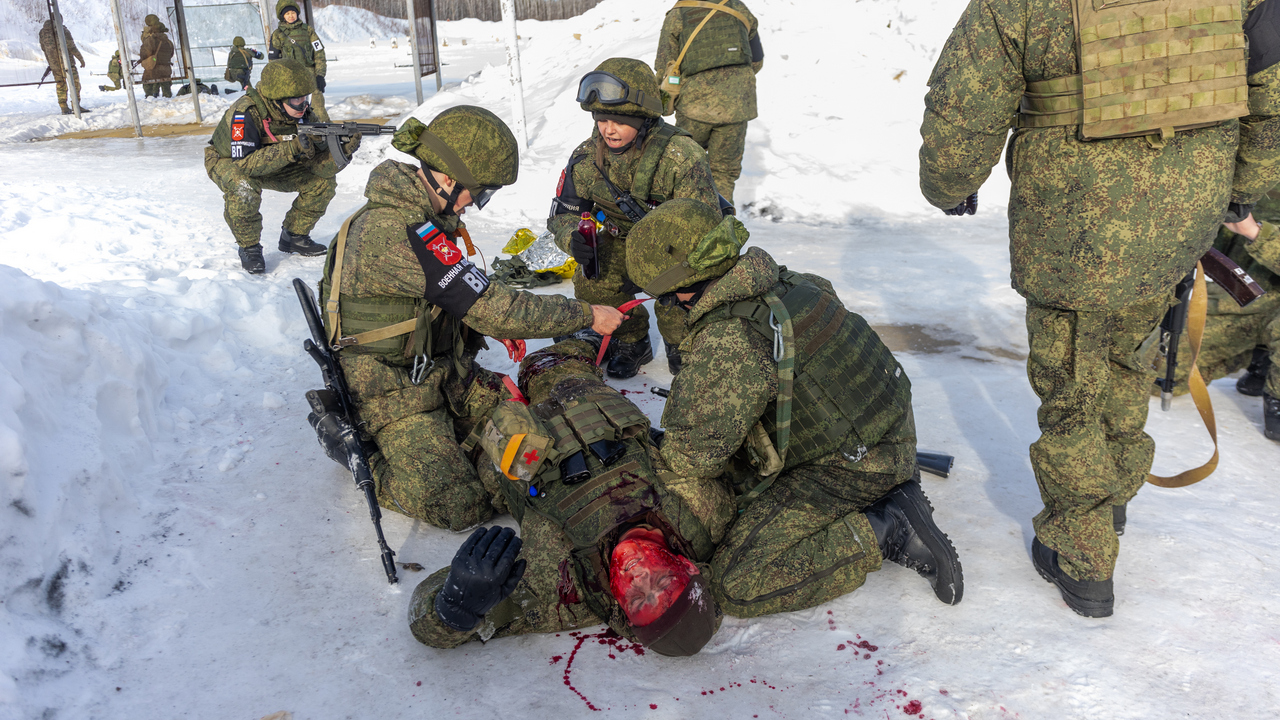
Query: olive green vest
[(645, 171), (1148, 67), (724, 40), (221, 140), (846, 380), (300, 49)]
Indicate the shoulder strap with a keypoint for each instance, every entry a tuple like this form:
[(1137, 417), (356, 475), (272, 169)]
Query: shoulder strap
[(784, 353), (722, 7), (335, 281)]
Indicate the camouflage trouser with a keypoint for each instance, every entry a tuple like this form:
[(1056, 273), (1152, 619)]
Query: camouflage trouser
[(1092, 452), (1229, 340), (243, 197), (117, 79), (724, 144), (60, 84), (805, 540), (240, 80), (608, 289), (154, 88)]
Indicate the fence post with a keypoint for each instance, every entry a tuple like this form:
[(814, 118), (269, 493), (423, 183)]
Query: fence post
[(72, 92), (125, 68), (181, 14), (413, 48), (435, 38), (513, 65), (266, 25)]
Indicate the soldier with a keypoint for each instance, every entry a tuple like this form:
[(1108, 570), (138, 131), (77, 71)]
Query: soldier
[(709, 70), (240, 63), (156, 57), (295, 40), (410, 314), (646, 160), (798, 405), (256, 146), (49, 43), (115, 72), (1117, 190)]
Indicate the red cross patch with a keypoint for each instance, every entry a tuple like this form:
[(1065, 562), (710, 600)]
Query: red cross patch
[(445, 251), (531, 457)]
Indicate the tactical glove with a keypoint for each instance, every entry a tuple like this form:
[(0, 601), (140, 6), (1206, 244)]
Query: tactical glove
[(968, 207), (304, 148), (320, 83), (580, 250), (483, 573), (352, 144), (1237, 212), (273, 54)]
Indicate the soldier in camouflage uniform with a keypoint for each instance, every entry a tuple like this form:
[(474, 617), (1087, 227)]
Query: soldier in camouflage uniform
[(1117, 190), (798, 405), (256, 146), (714, 85), (240, 64), (115, 72), (49, 44), (645, 159), (295, 40), (156, 58), (409, 313)]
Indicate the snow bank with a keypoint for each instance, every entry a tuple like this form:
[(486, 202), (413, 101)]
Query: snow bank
[(338, 24)]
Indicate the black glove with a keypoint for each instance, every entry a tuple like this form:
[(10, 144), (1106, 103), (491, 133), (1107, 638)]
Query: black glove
[(580, 250), (968, 207), (328, 429), (304, 147), (273, 54), (320, 83), (1237, 212), (483, 573)]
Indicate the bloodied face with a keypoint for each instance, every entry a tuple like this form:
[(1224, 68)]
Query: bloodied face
[(645, 577)]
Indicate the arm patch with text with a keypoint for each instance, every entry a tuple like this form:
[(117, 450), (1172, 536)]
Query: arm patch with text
[(244, 136), (453, 282)]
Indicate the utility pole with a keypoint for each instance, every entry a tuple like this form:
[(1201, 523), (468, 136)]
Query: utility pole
[(413, 49), (435, 38), (72, 92), (181, 15), (513, 65), (125, 67)]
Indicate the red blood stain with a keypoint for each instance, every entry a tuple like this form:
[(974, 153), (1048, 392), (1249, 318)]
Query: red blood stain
[(912, 708), (653, 706), (608, 637), (419, 683), (866, 646), (840, 646), (944, 691), (556, 658)]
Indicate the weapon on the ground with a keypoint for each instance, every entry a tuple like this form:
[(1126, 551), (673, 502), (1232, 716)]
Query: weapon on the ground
[(45, 76), (937, 463), (1171, 327), (336, 400), (336, 132)]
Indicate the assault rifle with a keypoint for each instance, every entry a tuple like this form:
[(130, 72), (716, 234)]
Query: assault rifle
[(334, 405), (45, 76), (335, 133), (1231, 278)]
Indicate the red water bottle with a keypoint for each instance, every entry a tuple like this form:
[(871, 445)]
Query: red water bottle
[(587, 228)]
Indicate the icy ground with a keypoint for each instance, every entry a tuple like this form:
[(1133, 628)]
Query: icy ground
[(174, 545)]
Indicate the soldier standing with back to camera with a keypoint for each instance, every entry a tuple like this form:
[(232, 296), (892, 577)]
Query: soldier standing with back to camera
[(709, 68), (1137, 127), (49, 44), (295, 40), (240, 63), (156, 57)]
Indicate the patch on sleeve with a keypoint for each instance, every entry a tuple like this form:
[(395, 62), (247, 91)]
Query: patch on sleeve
[(453, 282), (315, 45), (244, 136)]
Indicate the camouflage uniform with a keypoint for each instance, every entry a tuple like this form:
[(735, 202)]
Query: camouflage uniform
[(274, 161), (114, 72), (717, 95), (1100, 231), (157, 45), (49, 44), (240, 63), (298, 42)]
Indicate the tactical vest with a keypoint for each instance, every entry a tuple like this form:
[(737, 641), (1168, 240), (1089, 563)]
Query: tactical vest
[(642, 176), (297, 45), (591, 510), (846, 380), (724, 40), (1148, 67)]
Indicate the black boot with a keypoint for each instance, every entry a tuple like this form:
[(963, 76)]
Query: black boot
[(626, 358), (1119, 516), (300, 244), (1090, 598), (673, 358), (251, 259), (904, 527), (1255, 378), (587, 335), (1271, 416)]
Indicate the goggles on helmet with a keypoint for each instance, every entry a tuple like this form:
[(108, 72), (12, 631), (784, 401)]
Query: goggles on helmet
[(606, 89)]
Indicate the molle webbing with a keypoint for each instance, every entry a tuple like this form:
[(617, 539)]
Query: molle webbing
[(723, 37), (1147, 68)]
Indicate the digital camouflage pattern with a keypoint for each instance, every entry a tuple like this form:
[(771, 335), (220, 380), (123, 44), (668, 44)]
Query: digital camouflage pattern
[(713, 105), (298, 42), (156, 45), (52, 56), (683, 172), (480, 139), (1099, 234), (638, 77), (420, 470), (240, 63)]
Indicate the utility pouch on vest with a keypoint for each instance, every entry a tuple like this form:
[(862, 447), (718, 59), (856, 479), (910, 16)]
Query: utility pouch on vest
[(1148, 67), (516, 442)]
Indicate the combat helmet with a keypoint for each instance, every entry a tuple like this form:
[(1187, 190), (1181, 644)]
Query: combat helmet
[(471, 145), (150, 20), (621, 86), (680, 243), (283, 5), (283, 79), (238, 41)]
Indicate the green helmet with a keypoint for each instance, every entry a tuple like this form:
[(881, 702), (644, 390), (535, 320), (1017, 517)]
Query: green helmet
[(283, 5), (468, 143), (682, 242), (641, 96), (238, 42), (283, 79), (150, 20)]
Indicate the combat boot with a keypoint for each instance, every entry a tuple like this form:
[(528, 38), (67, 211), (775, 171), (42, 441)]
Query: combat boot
[(586, 335), (628, 357), (1119, 516), (1255, 378), (66, 109), (904, 528), (673, 359), (251, 259), (300, 244), (1090, 598), (1271, 416)]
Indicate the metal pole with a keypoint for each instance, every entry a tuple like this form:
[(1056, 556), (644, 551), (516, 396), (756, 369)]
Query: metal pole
[(266, 25), (66, 59), (513, 65), (126, 71), (186, 57), (435, 38), (413, 48)]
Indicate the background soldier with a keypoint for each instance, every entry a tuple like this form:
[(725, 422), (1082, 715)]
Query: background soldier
[(256, 146), (647, 160), (1100, 229), (295, 40), (156, 56), (714, 91), (115, 72), (49, 44), (819, 447), (410, 313), (240, 64)]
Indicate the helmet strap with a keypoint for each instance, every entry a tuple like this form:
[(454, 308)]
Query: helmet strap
[(450, 198)]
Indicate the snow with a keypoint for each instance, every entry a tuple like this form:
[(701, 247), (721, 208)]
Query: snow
[(174, 544)]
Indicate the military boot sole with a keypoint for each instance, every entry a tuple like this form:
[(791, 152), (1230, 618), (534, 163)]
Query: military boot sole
[(948, 582), (1088, 598)]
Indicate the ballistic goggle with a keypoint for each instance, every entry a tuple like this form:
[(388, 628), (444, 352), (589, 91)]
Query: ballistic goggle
[(298, 104), (601, 87)]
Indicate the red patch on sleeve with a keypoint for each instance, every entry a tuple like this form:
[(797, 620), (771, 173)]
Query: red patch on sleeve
[(237, 130), (560, 185), (445, 251)]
